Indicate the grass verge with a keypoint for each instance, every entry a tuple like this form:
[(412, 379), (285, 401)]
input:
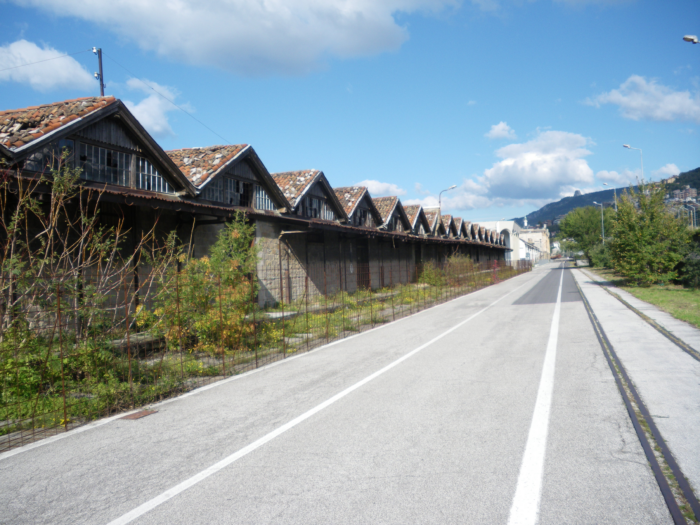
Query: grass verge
[(682, 303)]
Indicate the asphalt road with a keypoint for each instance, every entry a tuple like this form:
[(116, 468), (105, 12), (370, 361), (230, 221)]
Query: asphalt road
[(441, 417)]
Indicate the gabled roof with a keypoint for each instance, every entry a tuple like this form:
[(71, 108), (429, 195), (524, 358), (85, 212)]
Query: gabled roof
[(467, 229), (295, 184), (458, 225), (476, 236), (202, 165), (433, 216), (387, 206), (351, 196), (23, 131), (415, 215), (449, 224), (19, 127)]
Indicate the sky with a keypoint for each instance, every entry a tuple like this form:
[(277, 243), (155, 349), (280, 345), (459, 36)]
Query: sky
[(515, 102)]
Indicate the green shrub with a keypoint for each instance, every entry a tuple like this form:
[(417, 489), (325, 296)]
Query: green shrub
[(600, 256)]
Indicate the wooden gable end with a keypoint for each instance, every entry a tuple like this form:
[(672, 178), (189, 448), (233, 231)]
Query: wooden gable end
[(112, 148), (319, 201), (365, 213), (422, 226), (246, 183)]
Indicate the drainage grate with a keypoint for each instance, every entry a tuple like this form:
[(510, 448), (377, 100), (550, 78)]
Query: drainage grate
[(139, 415)]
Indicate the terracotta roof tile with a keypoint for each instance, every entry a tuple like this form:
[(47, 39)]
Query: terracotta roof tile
[(432, 215), (446, 219), (386, 206), (21, 126), (467, 227), (201, 164), (349, 196), (295, 183), (412, 211)]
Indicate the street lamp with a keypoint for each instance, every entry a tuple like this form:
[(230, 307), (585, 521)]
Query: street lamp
[(602, 222), (440, 196), (614, 193), (641, 156), (691, 38)]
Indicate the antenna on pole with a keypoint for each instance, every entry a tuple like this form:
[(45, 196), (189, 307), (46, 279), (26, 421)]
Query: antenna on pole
[(99, 76)]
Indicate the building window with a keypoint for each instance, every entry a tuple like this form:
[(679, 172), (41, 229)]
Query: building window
[(50, 157), (362, 217), (148, 178), (229, 191), (327, 213), (105, 165), (312, 207), (262, 199)]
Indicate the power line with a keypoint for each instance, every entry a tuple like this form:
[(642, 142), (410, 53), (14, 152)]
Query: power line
[(46, 60), (166, 98)]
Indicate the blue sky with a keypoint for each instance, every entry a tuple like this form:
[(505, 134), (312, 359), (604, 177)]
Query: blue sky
[(518, 103)]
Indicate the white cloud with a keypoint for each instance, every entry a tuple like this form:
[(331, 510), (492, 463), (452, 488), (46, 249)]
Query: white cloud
[(501, 131), (471, 103), (419, 189), (152, 111), (638, 99), (467, 196), (539, 168), (426, 202), (381, 189), (65, 72), (666, 171), (623, 178), (251, 36)]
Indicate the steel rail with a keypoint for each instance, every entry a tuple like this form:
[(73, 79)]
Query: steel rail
[(619, 373)]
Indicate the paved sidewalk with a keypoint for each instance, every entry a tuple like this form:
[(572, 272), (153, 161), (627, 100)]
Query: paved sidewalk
[(682, 330), (666, 377)]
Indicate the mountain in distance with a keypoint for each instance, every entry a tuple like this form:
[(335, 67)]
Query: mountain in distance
[(561, 207)]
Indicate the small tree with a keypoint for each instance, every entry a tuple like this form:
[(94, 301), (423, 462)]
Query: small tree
[(583, 225), (648, 241)]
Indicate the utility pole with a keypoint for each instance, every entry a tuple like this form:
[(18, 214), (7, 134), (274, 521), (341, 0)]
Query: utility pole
[(99, 76)]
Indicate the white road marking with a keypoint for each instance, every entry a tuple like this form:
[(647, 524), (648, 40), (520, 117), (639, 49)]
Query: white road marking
[(526, 502), (188, 483)]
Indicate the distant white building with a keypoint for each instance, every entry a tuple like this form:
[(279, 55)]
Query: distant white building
[(527, 244)]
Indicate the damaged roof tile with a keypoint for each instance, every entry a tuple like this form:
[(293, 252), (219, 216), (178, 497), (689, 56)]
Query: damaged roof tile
[(386, 206), (295, 183), (21, 126), (349, 197), (201, 164)]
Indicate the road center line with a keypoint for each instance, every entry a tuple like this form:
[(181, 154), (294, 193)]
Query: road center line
[(526, 502), (188, 483)]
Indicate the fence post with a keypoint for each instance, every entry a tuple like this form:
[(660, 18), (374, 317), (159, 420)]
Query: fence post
[(179, 323), (325, 295), (391, 280), (128, 338), (284, 334), (60, 347), (221, 329), (306, 308)]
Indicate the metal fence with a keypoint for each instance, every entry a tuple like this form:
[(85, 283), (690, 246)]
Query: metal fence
[(66, 360)]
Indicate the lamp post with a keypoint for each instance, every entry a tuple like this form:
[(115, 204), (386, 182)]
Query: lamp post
[(691, 38), (440, 196), (614, 193), (602, 221), (641, 156)]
